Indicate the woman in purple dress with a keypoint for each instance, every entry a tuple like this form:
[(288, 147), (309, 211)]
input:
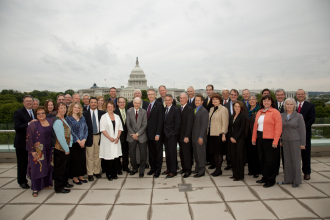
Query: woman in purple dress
[(38, 144)]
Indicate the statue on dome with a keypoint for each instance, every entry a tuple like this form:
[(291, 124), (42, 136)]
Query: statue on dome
[(137, 60)]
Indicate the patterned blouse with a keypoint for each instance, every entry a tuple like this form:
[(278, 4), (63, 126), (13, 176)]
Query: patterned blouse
[(79, 128)]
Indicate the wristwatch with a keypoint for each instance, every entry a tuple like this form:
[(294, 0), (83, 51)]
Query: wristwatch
[(137, 134)]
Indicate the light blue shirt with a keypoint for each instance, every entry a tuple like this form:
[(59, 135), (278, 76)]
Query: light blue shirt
[(59, 131)]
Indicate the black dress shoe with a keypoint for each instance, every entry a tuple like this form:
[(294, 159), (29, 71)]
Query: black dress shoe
[(141, 175), (250, 174), (177, 168), (186, 175), (68, 185), (147, 166), (110, 178), (215, 174), (260, 181), (228, 167), (195, 171), (236, 179), (211, 167), (127, 170), (63, 191), (83, 181), (24, 186), (77, 183), (120, 172), (90, 178), (98, 176), (115, 177), (156, 175), (181, 172), (232, 177), (170, 175), (165, 172), (295, 185), (255, 176), (198, 175), (150, 173), (266, 185), (132, 173), (307, 176)]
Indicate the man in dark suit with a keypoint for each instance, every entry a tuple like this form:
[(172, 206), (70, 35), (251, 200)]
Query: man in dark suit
[(307, 109), (93, 161), (246, 94), (163, 91), (113, 95), (155, 114), (121, 111), (172, 123), (191, 97), (279, 105), (138, 93), (265, 92), (22, 119), (187, 121), (86, 102), (225, 96), (199, 136), (68, 100)]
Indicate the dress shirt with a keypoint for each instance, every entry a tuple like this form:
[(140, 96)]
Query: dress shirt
[(280, 104), (190, 100), (197, 108), (302, 103), (122, 112), (225, 100), (168, 108), (152, 104), (87, 107), (183, 106), (96, 117), (136, 111), (30, 113), (231, 106)]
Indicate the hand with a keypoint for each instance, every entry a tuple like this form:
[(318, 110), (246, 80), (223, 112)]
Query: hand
[(116, 140), (33, 120), (156, 138), (34, 155), (274, 145), (200, 141), (134, 136), (233, 140), (254, 143), (83, 143), (281, 144), (186, 140), (112, 139), (302, 147), (67, 153), (223, 138)]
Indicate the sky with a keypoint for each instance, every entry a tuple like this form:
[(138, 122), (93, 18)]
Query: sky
[(60, 45)]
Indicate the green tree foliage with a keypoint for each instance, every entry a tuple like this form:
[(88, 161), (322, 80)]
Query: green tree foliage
[(69, 91), (144, 95), (7, 111)]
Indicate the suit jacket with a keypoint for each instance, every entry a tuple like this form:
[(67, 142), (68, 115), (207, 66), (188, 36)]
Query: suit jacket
[(187, 121), (139, 126), (144, 105), (309, 114), (155, 121), (21, 119), (294, 128), (123, 134), (85, 108), (161, 101), (172, 121), (201, 120), (276, 106), (237, 129), (207, 106), (246, 113), (192, 105), (88, 118)]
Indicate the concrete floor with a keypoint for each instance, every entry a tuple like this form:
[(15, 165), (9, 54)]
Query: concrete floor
[(130, 197)]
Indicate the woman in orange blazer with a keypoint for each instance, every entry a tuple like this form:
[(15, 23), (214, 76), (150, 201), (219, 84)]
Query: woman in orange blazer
[(268, 129)]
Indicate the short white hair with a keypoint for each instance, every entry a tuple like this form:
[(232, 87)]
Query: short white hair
[(137, 90), (137, 99), (292, 101), (190, 87), (183, 93), (86, 94), (225, 89), (34, 99)]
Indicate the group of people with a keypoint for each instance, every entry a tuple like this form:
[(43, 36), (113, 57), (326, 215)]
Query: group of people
[(68, 140)]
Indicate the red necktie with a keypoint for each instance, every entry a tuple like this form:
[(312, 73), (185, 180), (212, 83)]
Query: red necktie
[(299, 108), (225, 101), (136, 115), (148, 112)]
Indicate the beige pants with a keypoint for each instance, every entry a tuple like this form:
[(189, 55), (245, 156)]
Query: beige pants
[(93, 160)]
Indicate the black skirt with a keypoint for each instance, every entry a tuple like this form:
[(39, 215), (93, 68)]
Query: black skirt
[(77, 161), (216, 145)]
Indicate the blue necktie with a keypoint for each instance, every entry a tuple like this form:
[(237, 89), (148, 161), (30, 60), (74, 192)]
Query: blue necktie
[(94, 124), (31, 114), (166, 112)]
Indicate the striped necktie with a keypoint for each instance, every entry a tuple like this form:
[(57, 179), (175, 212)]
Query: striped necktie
[(123, 115)]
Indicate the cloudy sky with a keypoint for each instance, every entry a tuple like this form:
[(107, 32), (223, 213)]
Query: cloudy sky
[(59, 45)]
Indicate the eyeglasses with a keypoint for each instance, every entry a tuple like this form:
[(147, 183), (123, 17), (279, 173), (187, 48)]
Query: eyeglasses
[(42, 113), (121, 102), (233, 95)]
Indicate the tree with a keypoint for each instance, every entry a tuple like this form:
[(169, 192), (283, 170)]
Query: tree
[(144, 95), (7, 111), (69, 91)]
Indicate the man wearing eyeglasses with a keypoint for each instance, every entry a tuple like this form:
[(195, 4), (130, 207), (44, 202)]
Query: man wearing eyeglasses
[(22, 119)]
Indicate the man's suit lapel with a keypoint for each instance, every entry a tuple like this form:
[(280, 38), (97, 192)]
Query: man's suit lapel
[(169, 112), (139, 119), (27, 115), (152, 109)]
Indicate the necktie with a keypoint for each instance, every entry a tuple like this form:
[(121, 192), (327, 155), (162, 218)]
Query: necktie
[(94, 123), (225, 101), (195, 111), (299, 109), (31, 114), (166, 112), (164, 104), (208, 101), (181, 109), (280, 108), (123, 115), (148, 111), (136, 115), (189, 101)]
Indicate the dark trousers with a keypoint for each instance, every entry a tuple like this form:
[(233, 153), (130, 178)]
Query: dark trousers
[(155, 155), (252, 156), (142, 147), (237, 150), (306, 157), (268, 157), (209, 156), (61, 169), (185, 156), (111, 167), (22, 163), (124, 164), (228, 155), (171, 153)]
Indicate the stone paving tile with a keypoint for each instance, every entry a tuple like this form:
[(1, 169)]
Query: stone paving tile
[(16, 211), (138, 183), (226, 181), (316, 177), (14, 185), (27, 197), (239, 193), (106, 184), (70, 198), (319, 206), (250, 210), (322, 159), (211, 211), (204, 181), (327, 174), (162, 182), (137, 196), (53, 212), (100, 197), (314, 161), (249, 180), (274, 192), (7, 165), (204, 195), (5, 180), (303, 191), (289, 209), (8, 194), (82, 186), (324, 187), (168, 196), (316, 167), (90, 212), (125, 212), (166, 212), (9, 173), (137, 175), (3, 170)]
